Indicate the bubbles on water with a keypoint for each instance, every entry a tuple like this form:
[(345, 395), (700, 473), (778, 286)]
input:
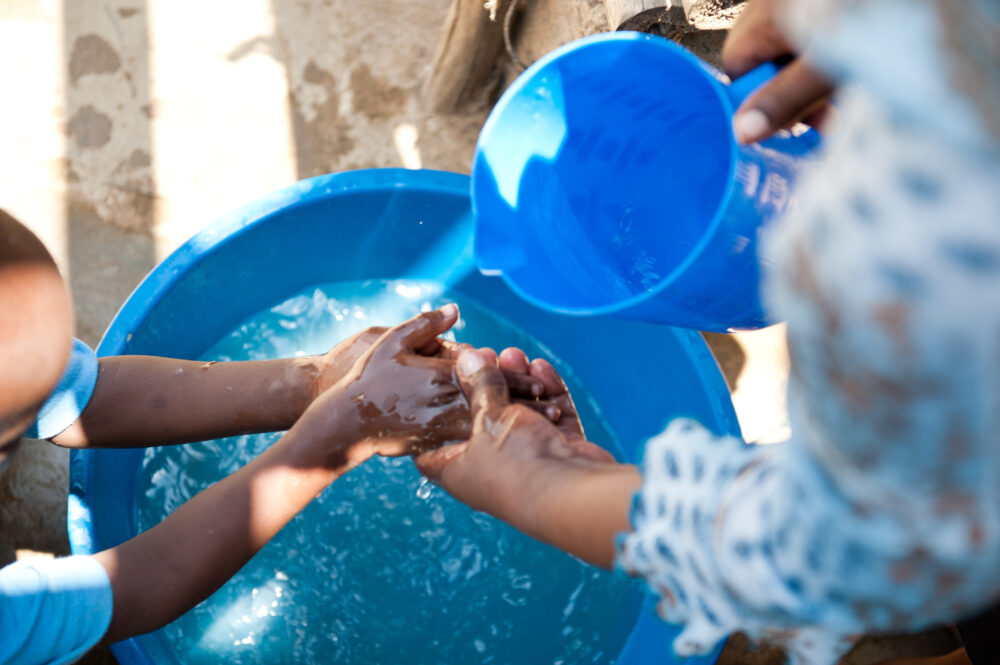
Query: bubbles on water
[(383, 566)]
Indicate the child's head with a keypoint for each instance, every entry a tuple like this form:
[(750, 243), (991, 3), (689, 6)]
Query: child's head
[(36, 328)]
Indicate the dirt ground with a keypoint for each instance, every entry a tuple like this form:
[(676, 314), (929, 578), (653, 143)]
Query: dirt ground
[(128, 125)]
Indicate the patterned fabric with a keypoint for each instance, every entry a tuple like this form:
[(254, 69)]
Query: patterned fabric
[(904, 50), (882, 513)]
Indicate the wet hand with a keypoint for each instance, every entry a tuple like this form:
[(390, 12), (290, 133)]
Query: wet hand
[(799, 92), (394, 400), (535, 385), (333, 365), (957, 657), (511, 446)]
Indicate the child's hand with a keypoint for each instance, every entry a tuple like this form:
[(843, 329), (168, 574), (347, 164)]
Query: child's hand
[(508, 440), (335, 363), (391, 400), (394, 400), (958, 657), (552, 398), (798, 92), (535, 385), (544, 479)]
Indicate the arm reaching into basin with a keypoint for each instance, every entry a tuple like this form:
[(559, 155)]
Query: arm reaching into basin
[(543, 478), (390, 401), (149, 401)]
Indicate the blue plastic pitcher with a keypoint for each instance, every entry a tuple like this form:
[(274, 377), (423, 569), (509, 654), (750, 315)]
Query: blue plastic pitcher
[(607, 181)]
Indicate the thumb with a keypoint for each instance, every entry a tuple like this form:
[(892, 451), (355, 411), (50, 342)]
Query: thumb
[(795, 92), (423, 328), (483, 384), (433, 463)]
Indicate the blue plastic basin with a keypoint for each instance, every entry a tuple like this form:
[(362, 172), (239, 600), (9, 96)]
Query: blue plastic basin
[(379, 224)]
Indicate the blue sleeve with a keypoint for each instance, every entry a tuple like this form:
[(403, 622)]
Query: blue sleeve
[(52, 611), (71, 395)]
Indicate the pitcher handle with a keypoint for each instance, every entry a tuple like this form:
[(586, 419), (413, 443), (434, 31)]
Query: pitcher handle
[(747, 84)]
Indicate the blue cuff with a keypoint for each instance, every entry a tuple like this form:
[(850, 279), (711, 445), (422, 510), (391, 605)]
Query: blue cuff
[(52, 611), (71, 396)]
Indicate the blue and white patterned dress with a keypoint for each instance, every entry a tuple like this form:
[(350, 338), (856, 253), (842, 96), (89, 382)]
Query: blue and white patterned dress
[(882, 513)]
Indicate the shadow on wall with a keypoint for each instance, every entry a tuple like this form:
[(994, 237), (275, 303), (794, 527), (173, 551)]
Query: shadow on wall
[(109, 216), (354, 73), (111, 197), (325, 127), (110, 213)]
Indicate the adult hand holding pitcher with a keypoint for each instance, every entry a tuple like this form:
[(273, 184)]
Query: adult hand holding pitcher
[(607, 181)]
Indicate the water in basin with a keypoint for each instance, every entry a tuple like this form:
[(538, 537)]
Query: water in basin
[(382, 567)]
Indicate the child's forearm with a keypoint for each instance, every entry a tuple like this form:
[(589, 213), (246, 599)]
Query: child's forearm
[(143, 400), (577, 508), (165, 571)]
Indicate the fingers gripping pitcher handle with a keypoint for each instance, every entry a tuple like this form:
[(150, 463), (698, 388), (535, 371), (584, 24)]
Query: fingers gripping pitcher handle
[(738, 91), (747, 84)]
